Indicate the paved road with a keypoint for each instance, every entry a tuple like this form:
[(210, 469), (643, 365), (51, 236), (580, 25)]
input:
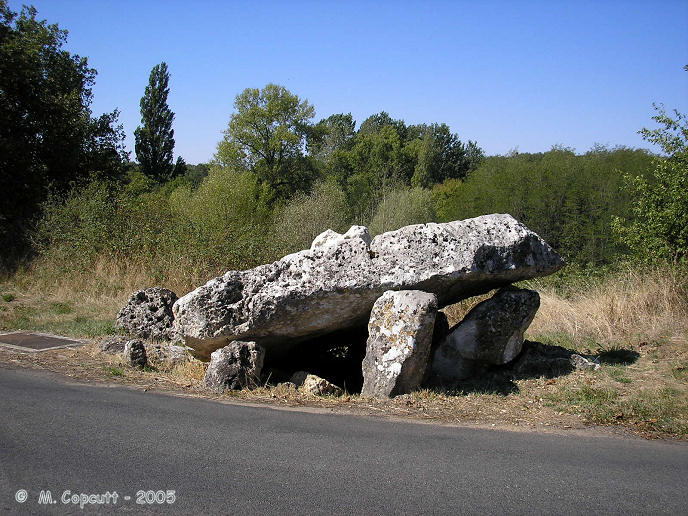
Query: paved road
[(223, 458)]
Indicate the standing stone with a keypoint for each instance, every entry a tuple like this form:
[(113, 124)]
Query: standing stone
[(399, 340), (491, 333), (235, 366), (334, 284), (135, 353), (148, 314)]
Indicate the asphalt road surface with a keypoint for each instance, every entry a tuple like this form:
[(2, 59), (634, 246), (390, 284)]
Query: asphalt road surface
[(230, 459)]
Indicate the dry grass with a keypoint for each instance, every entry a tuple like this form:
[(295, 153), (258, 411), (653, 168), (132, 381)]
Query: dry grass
[(637, 314), (627, 307), (84, 303)]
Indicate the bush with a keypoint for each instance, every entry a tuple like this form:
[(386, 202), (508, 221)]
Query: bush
[(164, 231), (227, 218), (659, 229), (306, 216), (402, 207)]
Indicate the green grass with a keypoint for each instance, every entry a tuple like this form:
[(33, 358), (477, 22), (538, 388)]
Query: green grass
[(8, 298), (662, 410), (567, 341), (74, 326), (113, 371), (61, 308), (618, 374), (680, 372)]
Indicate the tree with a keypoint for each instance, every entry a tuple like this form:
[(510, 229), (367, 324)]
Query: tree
[(659, 229), (333, 133), (180, 167), (48, 136), (155, 137), (268, 135)]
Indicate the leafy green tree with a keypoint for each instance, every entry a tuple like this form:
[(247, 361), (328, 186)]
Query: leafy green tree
[(333, 133), (180, 167), (48, 136), (267, 134), (442, 156), (155, 137), (659, 228)]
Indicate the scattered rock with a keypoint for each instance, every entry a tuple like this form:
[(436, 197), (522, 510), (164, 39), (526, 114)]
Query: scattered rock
[(399, 340), (491, 333), (148, 314), (583, 363), (334, 284), (135, 353), (315, 385), (538, 359), (286, 386), (235, 366), (168, 353), (114, 345)]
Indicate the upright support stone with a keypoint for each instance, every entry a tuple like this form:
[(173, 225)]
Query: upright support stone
[(400, 336), (235, 366), (135, 353), (491, 333)]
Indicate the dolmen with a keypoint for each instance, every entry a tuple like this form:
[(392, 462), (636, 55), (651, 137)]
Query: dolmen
[(394, 284)]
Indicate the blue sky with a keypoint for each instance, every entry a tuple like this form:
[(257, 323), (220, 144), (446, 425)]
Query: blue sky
[(523, 75)]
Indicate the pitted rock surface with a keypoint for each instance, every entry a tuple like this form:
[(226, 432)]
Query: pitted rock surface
[(334, 284), (399, 341), (148, 314), (168, 353), (113, 344), (235, 366)]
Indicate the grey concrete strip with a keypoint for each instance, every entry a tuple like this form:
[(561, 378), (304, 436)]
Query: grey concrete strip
[(222, 458), (37, 341)]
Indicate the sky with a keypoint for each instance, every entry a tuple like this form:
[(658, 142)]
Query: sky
[(510, 75)]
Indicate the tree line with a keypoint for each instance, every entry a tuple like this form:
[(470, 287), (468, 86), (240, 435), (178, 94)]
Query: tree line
[(279, 177)]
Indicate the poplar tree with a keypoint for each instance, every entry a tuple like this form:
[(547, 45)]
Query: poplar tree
[(155, 137)]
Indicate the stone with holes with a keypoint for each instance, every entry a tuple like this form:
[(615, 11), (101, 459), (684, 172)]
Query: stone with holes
[(235, 366), (168, 353), (148, 314), (399, 340)]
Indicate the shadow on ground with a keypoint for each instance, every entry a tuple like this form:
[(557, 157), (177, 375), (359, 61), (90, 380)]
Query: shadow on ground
[(536, 360)]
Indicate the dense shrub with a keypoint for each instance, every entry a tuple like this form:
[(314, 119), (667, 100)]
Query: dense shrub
[(306, 216), (227, 218), (402, 207)]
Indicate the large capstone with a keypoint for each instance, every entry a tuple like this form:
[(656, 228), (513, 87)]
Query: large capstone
[(399, 340), (334, 284), (491, 333), (235, 366), (148, 314)]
